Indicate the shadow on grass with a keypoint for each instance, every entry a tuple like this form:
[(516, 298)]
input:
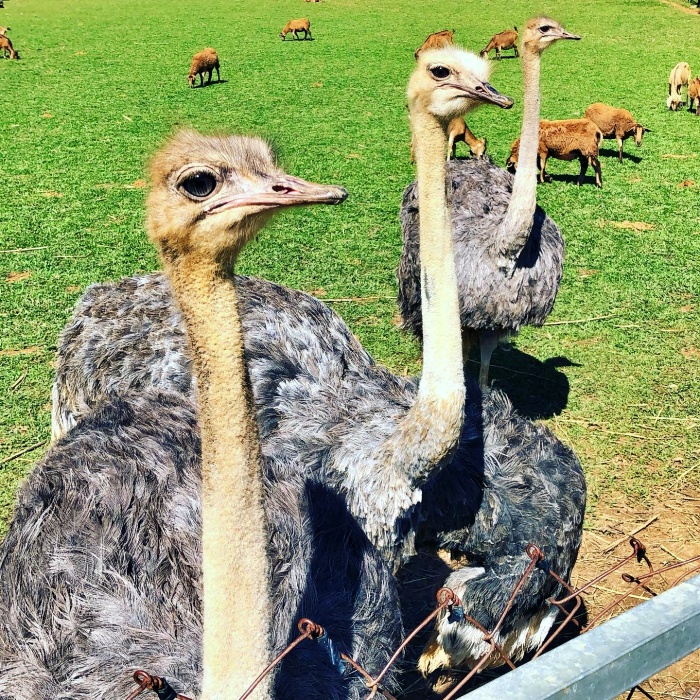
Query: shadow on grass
[(566, 177), (609, 152), (211, 84), (537, 389)]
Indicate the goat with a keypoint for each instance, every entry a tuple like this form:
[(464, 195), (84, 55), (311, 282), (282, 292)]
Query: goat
[(694, 94), (436, 41), (680, 76), (616, 124), (6, 48), (565, 139), (501, 41), (204, 62), (297, 25)]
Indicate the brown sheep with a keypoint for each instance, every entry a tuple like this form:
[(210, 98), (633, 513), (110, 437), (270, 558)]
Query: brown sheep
[(297, 25), (457, 130), (680, 76), (694, 95), (6, 48), (204, 62), (436, 41), (616, 124), (565, 139), (504, 40)]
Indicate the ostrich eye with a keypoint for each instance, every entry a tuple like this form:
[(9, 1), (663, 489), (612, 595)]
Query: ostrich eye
[(198, 185), (546, 28), (440, 72)]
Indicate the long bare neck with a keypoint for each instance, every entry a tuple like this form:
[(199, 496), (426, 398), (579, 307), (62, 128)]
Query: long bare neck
[(431, 428), (236, 606), (515, 228)]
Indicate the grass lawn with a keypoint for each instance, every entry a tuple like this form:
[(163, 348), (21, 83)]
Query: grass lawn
[(100, 85)]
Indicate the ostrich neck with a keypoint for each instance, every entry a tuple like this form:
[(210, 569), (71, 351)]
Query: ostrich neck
[(431, 428), (234, 561), (515, 228)]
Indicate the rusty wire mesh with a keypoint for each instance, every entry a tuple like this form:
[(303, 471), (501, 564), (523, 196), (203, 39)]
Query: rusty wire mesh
[(569, 605)]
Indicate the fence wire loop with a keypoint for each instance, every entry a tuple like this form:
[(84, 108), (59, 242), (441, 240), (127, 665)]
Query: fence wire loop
[(158, 685)]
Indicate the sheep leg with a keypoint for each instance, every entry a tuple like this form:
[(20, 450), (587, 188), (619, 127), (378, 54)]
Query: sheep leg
[(543, 167), (201, 78), (309, 33), (210, 72), (619, 149), (595, 163), (498, 53), (451, 147), (488, 341), (517, 53), (584, 161), (218, 75)]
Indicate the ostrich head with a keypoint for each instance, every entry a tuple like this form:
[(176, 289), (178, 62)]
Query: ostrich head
[(214, 193), (449, 82), (541, 32)]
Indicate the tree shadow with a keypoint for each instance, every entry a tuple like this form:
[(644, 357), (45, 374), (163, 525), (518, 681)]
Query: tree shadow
[(537, 389), (612, 153)]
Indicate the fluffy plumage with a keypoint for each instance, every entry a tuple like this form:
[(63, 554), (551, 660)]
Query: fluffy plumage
[(479, 192), (100, 573), (321, 398)]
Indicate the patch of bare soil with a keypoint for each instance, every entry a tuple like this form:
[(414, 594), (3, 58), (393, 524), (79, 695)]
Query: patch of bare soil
[(670, 538), (682, 8)]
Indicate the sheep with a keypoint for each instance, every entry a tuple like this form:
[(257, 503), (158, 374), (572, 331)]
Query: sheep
[(204, 62), (616, 124), (565, 139), (297, 25), (680, 76), (457, 130), (694, 94), (504, 40), (6, 48), (436, 41)]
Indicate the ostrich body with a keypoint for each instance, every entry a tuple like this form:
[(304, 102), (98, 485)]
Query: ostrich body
[(321, 397), (509, 254), (122, 536)]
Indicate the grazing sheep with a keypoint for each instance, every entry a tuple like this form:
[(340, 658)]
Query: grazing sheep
[(437, 40), (297, 25), (694, 95), (616, 124), (457, 130), (6, 48), (501, 41), (204, 62), (565, 139), (680, 76)]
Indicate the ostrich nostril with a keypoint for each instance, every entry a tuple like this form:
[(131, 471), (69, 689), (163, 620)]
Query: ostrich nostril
[(281, 188)]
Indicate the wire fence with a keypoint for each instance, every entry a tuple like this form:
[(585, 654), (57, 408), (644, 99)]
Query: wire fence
[(570, 605)]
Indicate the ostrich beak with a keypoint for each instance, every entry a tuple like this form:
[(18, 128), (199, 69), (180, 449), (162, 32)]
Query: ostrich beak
[(280, 191), (566, 35), (485, 92)]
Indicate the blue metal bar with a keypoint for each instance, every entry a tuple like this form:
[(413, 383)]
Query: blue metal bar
[(612, 658)]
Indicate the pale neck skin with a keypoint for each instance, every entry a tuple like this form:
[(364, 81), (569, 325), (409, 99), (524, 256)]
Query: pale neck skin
[(514, 230), (236, 582), (431, 428)]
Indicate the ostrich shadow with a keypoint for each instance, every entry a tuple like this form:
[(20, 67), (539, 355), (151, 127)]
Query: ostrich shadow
[(612, 153), (537, 389)]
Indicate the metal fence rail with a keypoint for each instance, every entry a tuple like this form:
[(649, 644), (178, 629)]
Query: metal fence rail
[(612, 658)]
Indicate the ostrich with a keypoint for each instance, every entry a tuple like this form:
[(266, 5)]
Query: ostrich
[(105, 560), (509, 253), (321, 398)]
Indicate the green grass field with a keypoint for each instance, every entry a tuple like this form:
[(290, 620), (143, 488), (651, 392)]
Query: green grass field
[(100, 85)]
